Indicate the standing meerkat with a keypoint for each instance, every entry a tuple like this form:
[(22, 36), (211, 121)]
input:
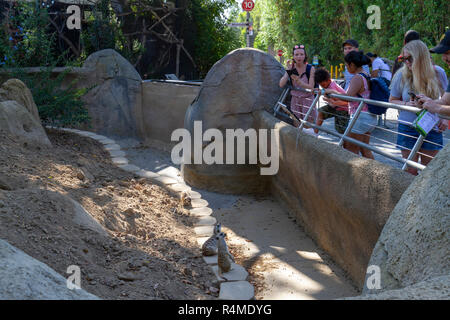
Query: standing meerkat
[(185, 199), (224, 257), (209, 248)]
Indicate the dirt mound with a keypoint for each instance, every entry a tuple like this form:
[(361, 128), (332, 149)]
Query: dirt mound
[(151, 251)]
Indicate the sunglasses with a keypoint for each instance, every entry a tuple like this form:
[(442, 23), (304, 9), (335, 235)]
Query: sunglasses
[(299, 47), (410, 59)]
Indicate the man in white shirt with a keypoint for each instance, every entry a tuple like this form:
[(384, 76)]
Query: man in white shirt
[(348, 46), (379, 67)]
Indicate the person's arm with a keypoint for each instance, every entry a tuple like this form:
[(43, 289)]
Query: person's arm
[(374, 73), (435, 107), (284, 80), (397, 100), (355, 86)]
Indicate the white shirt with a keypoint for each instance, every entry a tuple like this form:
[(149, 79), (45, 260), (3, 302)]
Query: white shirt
[(379, 64)]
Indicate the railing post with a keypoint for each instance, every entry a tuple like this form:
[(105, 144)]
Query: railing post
[(414, 150), (351, 123), (281, 99), (302, 124)]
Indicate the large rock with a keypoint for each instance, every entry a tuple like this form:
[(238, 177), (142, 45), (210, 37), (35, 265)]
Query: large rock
[(15, 119), (25, 278), (115, 102), (434, 289), (242, 82), (414, 245), (16, 90)]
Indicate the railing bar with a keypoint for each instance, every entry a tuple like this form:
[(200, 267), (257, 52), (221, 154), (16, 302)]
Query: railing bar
[(413, 152), (352, 123), (363, 145)]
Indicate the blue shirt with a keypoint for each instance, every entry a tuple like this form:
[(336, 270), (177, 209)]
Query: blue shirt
[(448, 87)]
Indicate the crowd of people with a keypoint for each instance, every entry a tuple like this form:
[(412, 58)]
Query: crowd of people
[(413, 81)]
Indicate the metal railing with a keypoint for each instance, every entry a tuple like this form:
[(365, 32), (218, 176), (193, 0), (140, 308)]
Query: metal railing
[(344, 137)]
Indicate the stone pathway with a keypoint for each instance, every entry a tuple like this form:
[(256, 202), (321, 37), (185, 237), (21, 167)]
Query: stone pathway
[(233, 285), (300, 270)]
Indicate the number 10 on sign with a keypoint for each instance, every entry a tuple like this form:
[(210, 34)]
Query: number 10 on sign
[(248, 5)]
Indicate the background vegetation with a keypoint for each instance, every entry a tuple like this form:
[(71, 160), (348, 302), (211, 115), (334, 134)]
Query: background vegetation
[(322, 25)]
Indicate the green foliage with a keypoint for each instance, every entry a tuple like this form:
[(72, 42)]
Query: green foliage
[(323, 25), (25, 43), (213, 39)]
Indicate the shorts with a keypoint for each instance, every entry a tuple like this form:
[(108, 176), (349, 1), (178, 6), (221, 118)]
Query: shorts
[(341, 117), (365, 123), (408, 142)]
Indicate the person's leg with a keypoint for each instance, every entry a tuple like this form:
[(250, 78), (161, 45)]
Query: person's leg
[(319, 121), (350, 146), (405, 155), (366, 152), (427, 155)]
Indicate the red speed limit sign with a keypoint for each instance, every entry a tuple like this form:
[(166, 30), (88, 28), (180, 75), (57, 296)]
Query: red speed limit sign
[(280, 53), (248, 5)]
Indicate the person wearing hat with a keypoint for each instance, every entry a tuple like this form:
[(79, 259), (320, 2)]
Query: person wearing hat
[(379, 67), (349, 46), (441, 106)]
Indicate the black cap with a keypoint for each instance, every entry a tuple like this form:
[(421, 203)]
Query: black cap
[(444, 46), (351, 42), (371, 55)]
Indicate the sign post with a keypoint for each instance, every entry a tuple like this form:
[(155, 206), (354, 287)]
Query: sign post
[(247, 5), (280, 54)]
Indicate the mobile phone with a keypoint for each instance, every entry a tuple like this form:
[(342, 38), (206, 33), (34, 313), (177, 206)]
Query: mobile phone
[(413, 95)]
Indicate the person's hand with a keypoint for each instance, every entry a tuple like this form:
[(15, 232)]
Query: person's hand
[(422, 98), (432, 106), (442, 125), (295, 78), (290, 64), (413, 103)]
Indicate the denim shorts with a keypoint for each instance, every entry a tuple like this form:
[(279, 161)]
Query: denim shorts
[(365, 123), (408, 142)]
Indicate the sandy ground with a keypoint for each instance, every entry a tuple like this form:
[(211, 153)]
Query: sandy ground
[(149, 250), (282, 261)]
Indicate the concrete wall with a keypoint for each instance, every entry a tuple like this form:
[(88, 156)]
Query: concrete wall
[(164, 106), (340, 199)]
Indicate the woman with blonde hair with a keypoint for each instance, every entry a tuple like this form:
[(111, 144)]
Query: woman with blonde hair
[(416, 77)]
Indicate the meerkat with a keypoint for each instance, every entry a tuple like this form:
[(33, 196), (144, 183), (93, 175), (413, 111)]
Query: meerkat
[(209, 248), (185, 199), (224, 257)]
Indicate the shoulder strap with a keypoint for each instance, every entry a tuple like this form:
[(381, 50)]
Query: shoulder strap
[(307, 72)]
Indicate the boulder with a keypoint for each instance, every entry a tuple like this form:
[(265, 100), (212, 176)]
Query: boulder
[(16, 90), (414, 245), (433, 289), (25, 278), (116, 99), (244, 81), (16, 120)]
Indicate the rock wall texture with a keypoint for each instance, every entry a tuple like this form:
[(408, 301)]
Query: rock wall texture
[(242, 82), (414, 245), (25, 278), (15, 119), (115, 102), (16, 90), (340, 199)]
